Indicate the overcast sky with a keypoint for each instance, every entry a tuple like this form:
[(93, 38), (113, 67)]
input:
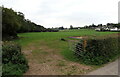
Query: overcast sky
[(55, 13)]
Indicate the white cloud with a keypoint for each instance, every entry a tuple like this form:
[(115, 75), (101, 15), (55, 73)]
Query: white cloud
[(52, 13)]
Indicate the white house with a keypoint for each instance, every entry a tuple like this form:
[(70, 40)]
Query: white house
[(107, 29), (114, 29), (97, 29)]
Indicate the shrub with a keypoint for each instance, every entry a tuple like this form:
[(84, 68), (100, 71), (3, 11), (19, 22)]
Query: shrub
[(62, 39), (13, 61), (98, 51)]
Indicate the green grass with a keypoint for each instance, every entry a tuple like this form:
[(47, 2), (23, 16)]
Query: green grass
[(52, 40)]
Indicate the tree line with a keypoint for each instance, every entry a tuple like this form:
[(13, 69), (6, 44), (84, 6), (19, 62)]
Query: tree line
[(109, 25), (14, 22), (93, 26)]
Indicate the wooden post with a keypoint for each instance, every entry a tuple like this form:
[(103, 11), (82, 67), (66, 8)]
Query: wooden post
[(84, 44)]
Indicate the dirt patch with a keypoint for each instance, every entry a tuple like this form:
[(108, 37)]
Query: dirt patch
[(44, 60), (78, 37)]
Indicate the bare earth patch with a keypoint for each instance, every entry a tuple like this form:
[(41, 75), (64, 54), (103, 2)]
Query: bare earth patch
[(78, 37), (43, 60)]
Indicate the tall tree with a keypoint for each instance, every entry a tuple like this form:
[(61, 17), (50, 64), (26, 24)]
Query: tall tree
[(71, 27), (10, 23)]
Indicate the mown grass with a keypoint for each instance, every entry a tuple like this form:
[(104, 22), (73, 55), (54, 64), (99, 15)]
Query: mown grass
[(52, 40)]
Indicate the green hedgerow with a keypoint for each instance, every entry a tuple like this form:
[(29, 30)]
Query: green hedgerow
[(13, 61), (98, 51)]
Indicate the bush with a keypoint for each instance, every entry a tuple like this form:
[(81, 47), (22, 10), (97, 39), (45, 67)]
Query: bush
[(98, 51), (13, 61), (62, 39)]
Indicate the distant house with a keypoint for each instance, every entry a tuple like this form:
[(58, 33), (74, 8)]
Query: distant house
[(102, 29), (98, 29), (107, 29), (114, 29)]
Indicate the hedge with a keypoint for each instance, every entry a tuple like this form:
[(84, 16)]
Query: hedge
[(98, 51), (13, 61)]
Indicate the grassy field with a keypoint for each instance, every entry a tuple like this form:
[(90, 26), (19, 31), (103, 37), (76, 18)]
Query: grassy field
[(44, 49)]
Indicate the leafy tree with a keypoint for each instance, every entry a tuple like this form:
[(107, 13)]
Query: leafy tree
[(61, 28), (15, 22), (71, 27), (10, 23)]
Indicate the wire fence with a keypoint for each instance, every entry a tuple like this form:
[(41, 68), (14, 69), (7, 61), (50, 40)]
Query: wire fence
[(76, 46)]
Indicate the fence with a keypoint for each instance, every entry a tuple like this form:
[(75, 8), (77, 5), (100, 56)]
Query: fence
[(76, 46)]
